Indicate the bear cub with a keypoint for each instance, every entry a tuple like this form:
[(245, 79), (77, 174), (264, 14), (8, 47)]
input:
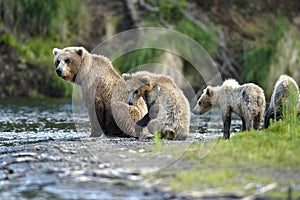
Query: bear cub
[(281, 95), (168, 108), (247, 101)]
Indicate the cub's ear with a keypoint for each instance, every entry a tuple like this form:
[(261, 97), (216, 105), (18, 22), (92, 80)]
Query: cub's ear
[(79, 51), (145, 80), (55, 51), (209, 91), (126, 76)]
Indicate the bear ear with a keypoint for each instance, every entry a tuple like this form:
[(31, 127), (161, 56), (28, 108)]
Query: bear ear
[(145, 80), (55, 51), (126, 76), (209, 91), (79, 51)]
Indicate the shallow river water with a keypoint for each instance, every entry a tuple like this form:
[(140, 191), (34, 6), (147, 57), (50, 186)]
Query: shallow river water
[(24, 121), (43, 155)]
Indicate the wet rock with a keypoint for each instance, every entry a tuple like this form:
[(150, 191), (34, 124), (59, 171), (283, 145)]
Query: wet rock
[(65, 150), (141, 150), (115, 174), (40, 148), (47, 157), (104, 165), (11, 160), (28, 154), (39, 179), (3, 174), (123, 156), (132, 151)]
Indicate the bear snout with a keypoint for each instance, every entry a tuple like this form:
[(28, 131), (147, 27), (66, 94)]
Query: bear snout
[(59, 72), (196, 110), (130, 99)]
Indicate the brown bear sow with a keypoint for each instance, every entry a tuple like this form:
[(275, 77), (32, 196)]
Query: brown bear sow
[(247, 101), (281, 95), (103, 91), (168, 108)]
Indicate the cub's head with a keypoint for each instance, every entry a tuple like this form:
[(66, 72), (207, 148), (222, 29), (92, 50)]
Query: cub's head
[(137, 85), (204, 103), (68, 61)]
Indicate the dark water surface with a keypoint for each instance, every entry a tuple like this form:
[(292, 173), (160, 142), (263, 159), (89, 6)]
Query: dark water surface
[(43, 155), (24, 121)]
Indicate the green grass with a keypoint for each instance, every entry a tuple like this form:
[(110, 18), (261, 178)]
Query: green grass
[(204, 179)]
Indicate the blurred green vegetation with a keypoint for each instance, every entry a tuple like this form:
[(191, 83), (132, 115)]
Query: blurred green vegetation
[(206, 35), (34, 27), (171, 12), (136, 58), (58, 19), (260, 56)]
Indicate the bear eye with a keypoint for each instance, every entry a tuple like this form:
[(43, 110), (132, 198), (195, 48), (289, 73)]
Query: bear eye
[(57, 63), (67, 61), (136, 92)]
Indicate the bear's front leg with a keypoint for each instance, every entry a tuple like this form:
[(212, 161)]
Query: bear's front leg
[(149, 130), (141, 124), (144, 121), (95, 124), (249, 124), (125, 117), (269, 114), (243, 124), (144, 133), (226, 121), (256, 121), (156, 125)]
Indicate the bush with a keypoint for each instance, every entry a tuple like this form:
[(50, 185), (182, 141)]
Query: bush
[(258, 59), (136, 58), (205, 35), (33, 27), (47, 18)]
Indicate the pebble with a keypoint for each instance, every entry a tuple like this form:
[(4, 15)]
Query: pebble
[(122, 156), (25, 159), (19, 154), (132, 151), (141, 150), (104, 165), (37, 147)]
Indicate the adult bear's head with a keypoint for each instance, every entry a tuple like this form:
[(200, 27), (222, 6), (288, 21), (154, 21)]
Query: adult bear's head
[(68, 61)]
